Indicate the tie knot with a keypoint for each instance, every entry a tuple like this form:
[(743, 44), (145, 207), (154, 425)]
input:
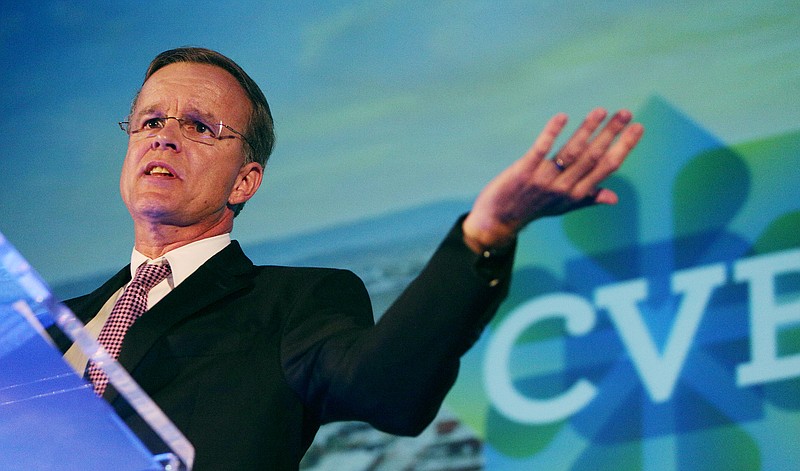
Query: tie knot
[(149, 275)]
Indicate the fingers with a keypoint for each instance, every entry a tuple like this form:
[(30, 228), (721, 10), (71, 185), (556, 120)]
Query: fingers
[(534, 187), (605, 196), (588, 161), (544, 142), (577, 143), (597, 148), (610, 160)]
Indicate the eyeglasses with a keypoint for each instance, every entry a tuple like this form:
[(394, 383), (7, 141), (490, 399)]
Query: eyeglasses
[(192, 129)]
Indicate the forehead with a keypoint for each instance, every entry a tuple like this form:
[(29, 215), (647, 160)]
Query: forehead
[(183, 87)]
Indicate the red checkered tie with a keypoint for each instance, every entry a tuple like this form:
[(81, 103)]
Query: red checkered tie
[(128, 308)]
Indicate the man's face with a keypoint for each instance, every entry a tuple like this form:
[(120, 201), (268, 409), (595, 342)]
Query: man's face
[(169, 179)]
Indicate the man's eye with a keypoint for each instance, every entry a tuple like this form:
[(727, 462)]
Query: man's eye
[(202, 129), (153, 123)]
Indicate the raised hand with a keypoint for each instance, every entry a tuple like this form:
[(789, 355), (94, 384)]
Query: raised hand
[(535, 186)]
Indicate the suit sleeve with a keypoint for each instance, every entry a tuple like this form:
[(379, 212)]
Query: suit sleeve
[(396, 373)]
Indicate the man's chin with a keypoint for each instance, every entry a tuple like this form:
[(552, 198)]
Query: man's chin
[(152, 212)]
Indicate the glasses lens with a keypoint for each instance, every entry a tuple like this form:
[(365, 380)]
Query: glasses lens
[(198, 130)]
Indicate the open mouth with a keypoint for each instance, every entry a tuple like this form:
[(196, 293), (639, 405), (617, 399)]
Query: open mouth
[(159, 171)]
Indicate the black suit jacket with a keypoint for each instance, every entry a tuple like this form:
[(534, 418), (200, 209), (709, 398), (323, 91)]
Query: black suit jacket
[(248, 360)]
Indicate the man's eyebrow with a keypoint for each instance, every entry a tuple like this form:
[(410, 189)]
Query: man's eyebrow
[(195, 113), (190, 112), (149, 110)]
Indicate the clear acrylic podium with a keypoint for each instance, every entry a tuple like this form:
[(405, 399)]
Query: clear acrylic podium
[(50, 418)]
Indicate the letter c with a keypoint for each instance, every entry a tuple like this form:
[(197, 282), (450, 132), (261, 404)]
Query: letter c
[(580, 318)]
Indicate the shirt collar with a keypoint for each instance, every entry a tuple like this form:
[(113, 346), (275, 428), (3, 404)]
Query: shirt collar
[(185, 259)]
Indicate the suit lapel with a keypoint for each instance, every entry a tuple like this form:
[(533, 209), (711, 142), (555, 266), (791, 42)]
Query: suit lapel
[(226, 272), (87, 306)]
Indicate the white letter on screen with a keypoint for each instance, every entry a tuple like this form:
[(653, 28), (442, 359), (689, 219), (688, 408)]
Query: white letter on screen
[(659, 372), (768, 315), (580, 318)]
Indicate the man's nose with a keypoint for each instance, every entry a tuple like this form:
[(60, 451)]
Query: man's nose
[(168, 137)]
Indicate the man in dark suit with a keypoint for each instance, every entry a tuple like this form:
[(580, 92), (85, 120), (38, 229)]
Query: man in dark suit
[(248, 361)]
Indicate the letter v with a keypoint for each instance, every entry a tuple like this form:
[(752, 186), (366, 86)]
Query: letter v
[(659, 372)]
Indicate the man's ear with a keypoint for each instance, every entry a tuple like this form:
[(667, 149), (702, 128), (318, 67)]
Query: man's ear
[(247, 183)]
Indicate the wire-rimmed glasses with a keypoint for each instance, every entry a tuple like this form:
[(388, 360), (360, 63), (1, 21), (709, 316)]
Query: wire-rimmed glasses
[(191, 129)]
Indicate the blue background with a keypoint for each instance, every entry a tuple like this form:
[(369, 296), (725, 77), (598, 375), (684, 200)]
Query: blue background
[(391, 116)]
